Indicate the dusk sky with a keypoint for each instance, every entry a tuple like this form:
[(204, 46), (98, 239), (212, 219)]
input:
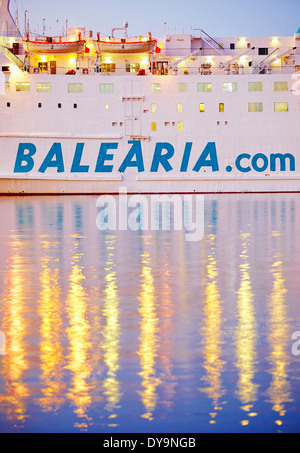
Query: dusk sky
[(217, 17)]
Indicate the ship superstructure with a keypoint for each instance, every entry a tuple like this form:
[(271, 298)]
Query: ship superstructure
[(182, 113)]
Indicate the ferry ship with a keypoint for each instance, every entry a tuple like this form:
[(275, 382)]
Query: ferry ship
[(185, 113)]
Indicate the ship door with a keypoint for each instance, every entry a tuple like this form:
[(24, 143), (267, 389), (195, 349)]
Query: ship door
[(52, 67), (133, 107)]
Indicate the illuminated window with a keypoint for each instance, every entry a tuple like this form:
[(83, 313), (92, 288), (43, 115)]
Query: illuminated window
[(281, 106), (255, 107), (221, 107), (182, 87), (106, 106), (43, 87), (229, 87), (132, 67), (75, 88), (108, 67), (22, 86), (204, 87), (180, 109), (7, 87), (156, 88), (180, 126), (255, 86), (153, 108), (105, 88), (43, 66), (281, 86), (202, 108), (153, 127)]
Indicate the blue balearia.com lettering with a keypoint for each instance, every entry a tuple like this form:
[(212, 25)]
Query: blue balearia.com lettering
[(162, 158)]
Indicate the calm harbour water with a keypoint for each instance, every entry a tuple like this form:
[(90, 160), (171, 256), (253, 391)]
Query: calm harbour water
[(143, 331)]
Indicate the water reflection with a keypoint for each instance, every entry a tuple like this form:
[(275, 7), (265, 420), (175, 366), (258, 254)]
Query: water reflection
[(111, 334), (78, 333), (148, 336), (246, 335), (51, 332), (14, 390), (212, 333), (279, 331), (103, 329)]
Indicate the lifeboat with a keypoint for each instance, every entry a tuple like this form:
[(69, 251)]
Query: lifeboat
[(125, 44), (134, 45), (49, 46)]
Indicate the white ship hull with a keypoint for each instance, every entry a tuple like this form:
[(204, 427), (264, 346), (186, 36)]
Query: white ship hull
[(215, 152), (197, 117)]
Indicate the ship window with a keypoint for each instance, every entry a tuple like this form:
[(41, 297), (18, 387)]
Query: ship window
[(167, 123), (106, 106), (281, 86), (59, 106), (156, 88), (106, 88), (43, 87), (180, 126), (7, 87), (232, 46), (204, 87), (202, 107), (108, 67), (8, 104), (153, 108), (255, 107), (281, 106), (75, 106), (39, 105), (22, 86), (43, 66), (153, 127), (263, 51), (180, 109), (182, 87), (221, 107), (132, 67), (229, 87), (255, 86), (75, 88)]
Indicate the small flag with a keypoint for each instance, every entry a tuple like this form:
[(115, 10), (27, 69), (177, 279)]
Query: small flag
[(157, 50)]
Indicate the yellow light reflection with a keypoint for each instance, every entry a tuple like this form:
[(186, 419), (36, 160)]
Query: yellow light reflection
[(279, 390), (15, 363), (246, 334), (148, 339), (212, 349), (79, 338), (111, 334), (167, 347), (51, 352)]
